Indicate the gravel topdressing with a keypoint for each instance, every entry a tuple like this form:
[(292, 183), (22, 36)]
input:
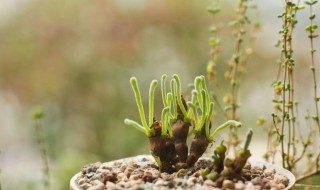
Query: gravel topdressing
[(142, 173)]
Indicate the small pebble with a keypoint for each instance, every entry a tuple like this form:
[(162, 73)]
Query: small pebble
[(128, 171), (281, 179), (85, 186), (239, 185), (247, 166), (122, 177), (181, 173), (196, 174), (134, 177), (250, 186), (81, 181), (209, 183), (99, 186), (281, 186), (159, 182), (121, 184), (269, 172), (227, 184), (109, 176), (111, 186), (191, 181), (106, 167), (256, 181), (165, 176), (256, 170), (123, 168)]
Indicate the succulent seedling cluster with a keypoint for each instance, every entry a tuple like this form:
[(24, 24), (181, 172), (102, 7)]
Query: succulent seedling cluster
[(227, 168), (168, 136)]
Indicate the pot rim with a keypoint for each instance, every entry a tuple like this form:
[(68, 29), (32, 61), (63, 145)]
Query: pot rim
[(278, 169)]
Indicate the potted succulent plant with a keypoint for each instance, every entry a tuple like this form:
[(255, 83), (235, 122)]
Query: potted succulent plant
[(173, 165)]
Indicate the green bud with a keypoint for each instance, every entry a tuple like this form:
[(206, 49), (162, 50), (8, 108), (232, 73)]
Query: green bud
[(213, 176), (37, 113), (204, 172), (213, 10), (221, 149)]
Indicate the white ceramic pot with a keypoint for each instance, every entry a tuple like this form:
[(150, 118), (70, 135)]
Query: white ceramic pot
[(145, 159)]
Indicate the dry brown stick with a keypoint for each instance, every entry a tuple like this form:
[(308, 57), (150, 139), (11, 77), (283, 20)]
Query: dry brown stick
[(284, 86), (307, 186), (311, 174), (305, 176), (313, 69)]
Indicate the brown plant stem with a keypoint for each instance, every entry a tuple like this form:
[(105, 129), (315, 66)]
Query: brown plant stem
[(198, 147), (180, 131), (43, 152), (313, 69), (159, 146), (241, 12), (311, 174)]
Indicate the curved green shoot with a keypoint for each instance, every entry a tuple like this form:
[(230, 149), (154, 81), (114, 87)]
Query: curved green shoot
[(248, 140), (163, 89), (174, 103), (205, 106), (169, 127), (197, 85), (135, 125), (157, 159), (136, 91), (193, 101), (210, 114), (164, 116), (169, 99), (204, 112), (221, 127), (195, 113), (178, 85), (204, 86), (153, 86), (169, 102)]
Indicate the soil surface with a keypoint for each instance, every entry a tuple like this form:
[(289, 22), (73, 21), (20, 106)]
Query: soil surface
[(144, 174)]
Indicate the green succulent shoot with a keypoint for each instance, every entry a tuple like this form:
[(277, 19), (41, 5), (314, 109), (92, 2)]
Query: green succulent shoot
[(201, 95), (145, 127), (177, 116), (166, 115)]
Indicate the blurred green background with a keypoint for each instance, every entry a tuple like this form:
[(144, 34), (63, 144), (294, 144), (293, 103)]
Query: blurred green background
[(74, 58)]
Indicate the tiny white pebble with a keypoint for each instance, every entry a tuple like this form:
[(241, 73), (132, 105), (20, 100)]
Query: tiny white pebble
[(281, 179), (110, 185)]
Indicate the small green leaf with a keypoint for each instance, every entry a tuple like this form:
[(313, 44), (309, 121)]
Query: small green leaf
[(281, 15), (213, 10), (294, 21), (215, 41), (290, 4), (37, 113), (313, 36), (312, 16), (316, 118), (213, 29), (307, 2), (311, 28), (297, 8), (226, 108)]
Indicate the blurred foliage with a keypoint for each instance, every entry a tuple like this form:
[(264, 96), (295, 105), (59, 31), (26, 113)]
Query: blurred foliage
[(74, 58)]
